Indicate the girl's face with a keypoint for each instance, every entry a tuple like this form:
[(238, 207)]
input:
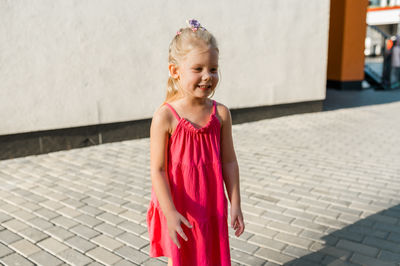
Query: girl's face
[(197, 73)]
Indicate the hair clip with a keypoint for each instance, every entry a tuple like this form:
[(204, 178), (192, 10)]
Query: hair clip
[(178, 32), (194, 25)]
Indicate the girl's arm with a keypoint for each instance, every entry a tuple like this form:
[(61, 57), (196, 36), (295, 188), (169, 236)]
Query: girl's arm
[(230, 169), (158, 163), (159, 134)]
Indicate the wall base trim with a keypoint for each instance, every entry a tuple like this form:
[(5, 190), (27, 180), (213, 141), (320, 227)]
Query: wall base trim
[(40, 142), (344, 85)]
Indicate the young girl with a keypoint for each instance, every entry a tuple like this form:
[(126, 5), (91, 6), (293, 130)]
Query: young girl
[(192, 155)]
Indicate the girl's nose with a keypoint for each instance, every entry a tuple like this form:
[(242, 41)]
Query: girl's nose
[(206, 76)]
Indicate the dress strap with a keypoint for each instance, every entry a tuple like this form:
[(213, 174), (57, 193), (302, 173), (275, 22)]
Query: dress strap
[(173, 111), (214, 107)]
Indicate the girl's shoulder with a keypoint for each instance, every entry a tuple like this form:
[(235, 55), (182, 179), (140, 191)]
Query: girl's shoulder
[(163, 118), (223, 112)]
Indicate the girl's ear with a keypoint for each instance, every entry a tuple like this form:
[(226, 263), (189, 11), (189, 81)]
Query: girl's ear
[(173, 71)]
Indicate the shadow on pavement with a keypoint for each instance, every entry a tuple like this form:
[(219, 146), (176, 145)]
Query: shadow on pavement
[(374, 240), (337, 99)]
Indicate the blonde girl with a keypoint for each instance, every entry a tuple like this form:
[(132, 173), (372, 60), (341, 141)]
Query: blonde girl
[(192, 157)]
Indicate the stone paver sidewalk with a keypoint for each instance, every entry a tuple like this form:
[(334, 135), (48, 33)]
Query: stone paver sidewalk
[(319, 188)]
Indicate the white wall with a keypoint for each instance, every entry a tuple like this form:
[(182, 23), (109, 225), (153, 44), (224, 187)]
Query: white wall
[(83, 62)]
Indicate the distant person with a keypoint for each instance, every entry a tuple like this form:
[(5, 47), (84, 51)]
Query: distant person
[(395, 77), (387, 64), (191, 158)]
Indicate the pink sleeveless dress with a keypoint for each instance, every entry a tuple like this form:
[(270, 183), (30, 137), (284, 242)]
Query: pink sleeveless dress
[(197, 188)]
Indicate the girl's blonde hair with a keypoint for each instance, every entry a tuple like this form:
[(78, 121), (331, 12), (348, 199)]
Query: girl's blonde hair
[(184, 41)]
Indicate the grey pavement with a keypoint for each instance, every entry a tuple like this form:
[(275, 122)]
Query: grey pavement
[(317, 189)]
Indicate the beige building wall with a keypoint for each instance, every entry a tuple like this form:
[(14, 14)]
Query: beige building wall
[(85, 62)]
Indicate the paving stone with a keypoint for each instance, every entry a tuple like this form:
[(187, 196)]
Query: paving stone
[(387, 227), (24, 247), (74, 257), (295, 251), (268, 206), (369, 261), (88, 220), (293, 240), (7, 237), (360, 248), (125, 263), (51, 245), (328, 260), (367, 231), (73, 203), (69, 212), (112, 208), (84, 231), (132, 227), (46, 213), (389, 256), (91, 210), (245, 259), (30, 206), (284, 228), (95, 263), (274, 256), (132, 254), (277, 217), (133, 216), (395, 237), (4, 217), (242, 245), (80, 244), (132, 240), (352, 236), (33, 234), (107, 242), (109, 230), (4, 250), (103, 256), (15, 225), (300, 214), (64, 222), (59, 233), (23, 215), (309, 225), (267, 242), (260, 230), (44, 258), (110, 218), (330, 222), (93, 202), (9, 208), (40, 223), (15, 259), (336, 252), (314, 236)]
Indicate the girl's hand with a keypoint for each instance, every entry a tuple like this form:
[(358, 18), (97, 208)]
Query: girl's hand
[(237, 220), (174, 220)]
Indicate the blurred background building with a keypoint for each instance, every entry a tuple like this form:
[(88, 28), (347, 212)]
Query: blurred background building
[(381, 64), (81, 73)]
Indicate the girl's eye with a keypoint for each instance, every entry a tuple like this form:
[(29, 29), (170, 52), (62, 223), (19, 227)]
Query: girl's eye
[(198, 69), (214, 70)]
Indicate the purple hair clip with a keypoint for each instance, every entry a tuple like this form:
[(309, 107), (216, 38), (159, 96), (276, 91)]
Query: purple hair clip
[(195, 25)]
